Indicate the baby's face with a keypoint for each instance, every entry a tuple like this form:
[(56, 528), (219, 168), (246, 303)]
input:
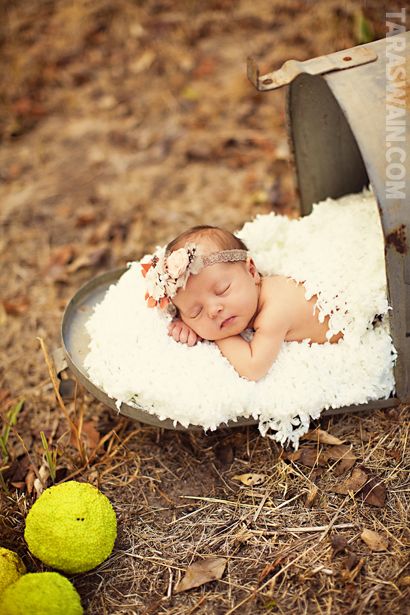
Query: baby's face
[(220, 300)]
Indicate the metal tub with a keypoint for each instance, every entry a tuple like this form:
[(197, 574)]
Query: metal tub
[(336, 123)]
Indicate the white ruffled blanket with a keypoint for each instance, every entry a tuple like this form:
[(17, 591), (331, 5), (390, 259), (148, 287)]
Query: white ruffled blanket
[(338, 253)]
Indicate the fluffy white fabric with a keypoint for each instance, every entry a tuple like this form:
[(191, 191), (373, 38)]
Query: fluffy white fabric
[(337, 252)]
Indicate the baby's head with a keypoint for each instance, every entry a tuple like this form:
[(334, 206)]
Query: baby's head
[(217, 288)]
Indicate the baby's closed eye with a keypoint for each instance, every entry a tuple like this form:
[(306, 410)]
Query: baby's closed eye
[(222, 290), (195, 313)]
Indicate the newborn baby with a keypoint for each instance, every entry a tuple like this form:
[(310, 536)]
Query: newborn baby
[(208, 280)]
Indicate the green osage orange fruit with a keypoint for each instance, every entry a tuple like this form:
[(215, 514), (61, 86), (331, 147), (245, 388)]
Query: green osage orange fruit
[(71, 527), (11, 568), (41, 593)]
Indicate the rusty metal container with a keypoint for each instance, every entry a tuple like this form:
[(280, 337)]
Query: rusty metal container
[(336, 112)]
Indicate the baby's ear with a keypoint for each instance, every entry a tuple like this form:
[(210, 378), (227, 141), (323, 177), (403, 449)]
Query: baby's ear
[(251, 267)]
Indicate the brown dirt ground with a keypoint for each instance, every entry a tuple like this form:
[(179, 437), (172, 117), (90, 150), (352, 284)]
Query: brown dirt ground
[(123, 122)]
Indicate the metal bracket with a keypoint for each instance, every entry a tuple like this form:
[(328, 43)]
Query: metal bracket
[(340, 60), (59, 360)]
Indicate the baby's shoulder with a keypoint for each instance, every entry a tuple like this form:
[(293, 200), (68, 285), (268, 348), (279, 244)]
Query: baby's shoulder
[(275, 303), (278, 287)]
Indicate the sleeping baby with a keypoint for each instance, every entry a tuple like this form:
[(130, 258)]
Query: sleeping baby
[(207, 279)]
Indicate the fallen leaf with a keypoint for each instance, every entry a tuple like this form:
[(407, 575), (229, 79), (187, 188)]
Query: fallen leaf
[(354, 482), (89, 435), (375, 541), (17, 306), (342, 453), (339, 544), (250, 480), (30, 480), (311, 496), (351, 561), (395, 454), (321, 436), (85, 216), (292, 456), (311, 457), (92, 435), (374, 492), (271, 568), (344, 465), (370, 488), (353, 564), (200, 572)]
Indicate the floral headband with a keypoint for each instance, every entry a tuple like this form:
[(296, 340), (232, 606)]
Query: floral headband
[(166, 274)]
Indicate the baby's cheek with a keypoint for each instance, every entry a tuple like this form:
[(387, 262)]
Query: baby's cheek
[(200, 329), (189, 324)]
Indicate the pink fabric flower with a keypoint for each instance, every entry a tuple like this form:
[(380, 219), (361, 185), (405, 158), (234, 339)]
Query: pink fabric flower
[(177, 262)]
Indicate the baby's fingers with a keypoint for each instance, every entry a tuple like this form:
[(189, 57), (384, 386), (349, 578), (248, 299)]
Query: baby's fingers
[(171, 327), (192, 338), (176, 333), (183, 335)]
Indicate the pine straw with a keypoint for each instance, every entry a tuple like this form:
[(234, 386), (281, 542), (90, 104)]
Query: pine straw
[(176, 502), (173, 492)]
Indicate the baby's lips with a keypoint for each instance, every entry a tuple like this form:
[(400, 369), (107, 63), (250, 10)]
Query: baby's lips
[(225, 321)]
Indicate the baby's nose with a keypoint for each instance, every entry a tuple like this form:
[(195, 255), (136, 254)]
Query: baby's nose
[(214, 309)]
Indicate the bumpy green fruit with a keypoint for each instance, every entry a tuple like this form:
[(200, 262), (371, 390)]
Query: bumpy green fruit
[(71, 527), (11, 568), (41, 593)]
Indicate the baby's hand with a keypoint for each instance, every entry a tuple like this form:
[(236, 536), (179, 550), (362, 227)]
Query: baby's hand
[(182, 333)]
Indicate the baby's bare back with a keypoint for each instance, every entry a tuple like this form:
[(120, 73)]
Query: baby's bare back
[(283, 298)]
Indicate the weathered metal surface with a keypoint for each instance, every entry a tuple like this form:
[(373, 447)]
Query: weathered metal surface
[(349, 127), (337, 128), (340, 60), (398, 239)]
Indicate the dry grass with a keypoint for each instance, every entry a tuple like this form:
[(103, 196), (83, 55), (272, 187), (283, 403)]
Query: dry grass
[(176, 502), (125, 122), (274, 565)]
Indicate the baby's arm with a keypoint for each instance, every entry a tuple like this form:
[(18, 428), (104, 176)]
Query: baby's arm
[(253, 360), (182, 333)]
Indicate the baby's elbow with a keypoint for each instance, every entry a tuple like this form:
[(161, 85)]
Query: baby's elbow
[(252, 377), (253, 374)]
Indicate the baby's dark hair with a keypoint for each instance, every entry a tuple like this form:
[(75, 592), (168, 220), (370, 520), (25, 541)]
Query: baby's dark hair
[(223, 239)]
